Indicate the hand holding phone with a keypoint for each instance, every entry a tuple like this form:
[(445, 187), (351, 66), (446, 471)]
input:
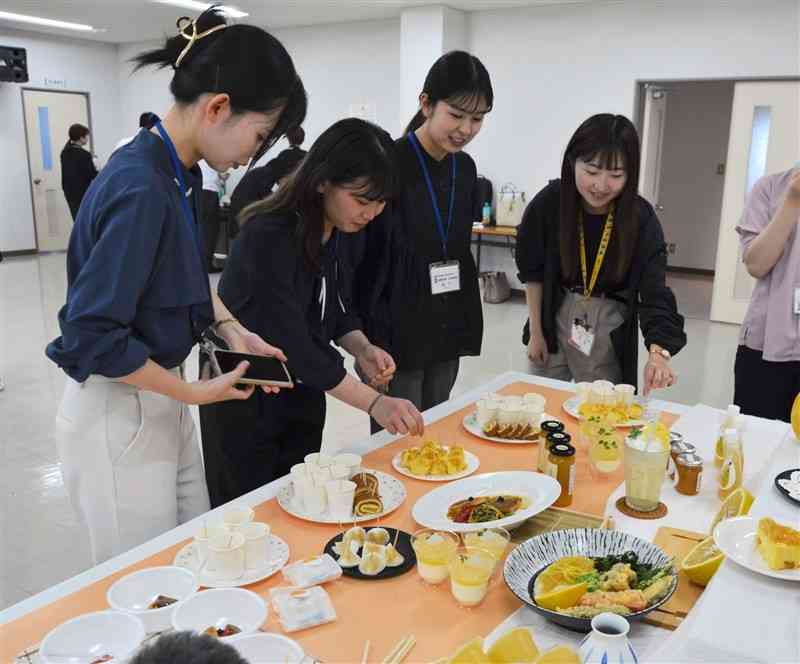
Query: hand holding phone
[(262, 370)]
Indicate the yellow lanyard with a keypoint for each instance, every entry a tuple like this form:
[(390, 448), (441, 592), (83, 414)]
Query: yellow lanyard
[(601, 251)]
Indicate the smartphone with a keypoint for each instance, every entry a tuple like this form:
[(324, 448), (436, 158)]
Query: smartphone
[(262, 370)]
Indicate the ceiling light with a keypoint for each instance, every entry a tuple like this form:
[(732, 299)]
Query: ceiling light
[(50, 23), (231, 12)]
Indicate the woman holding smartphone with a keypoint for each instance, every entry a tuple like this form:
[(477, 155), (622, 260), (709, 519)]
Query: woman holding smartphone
[(138, 296), (417, 283), (287, 279)]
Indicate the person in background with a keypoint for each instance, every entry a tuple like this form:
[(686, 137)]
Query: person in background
[(146, 121), (417, 283), (592, 256), (77, 168), (138, 296), (188, 648), (767, 369), (259, 182), (213, 182), (284, 279)]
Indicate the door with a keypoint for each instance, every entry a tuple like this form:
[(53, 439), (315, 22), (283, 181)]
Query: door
[(765, 138), (655, 119), (48, 117)]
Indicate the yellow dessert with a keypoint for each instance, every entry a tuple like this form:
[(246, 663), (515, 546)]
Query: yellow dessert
[(779, 545), (433, 459), (796, 417)]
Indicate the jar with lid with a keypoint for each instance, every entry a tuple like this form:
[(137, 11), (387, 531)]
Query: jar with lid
[(676, 448), (544, 450), (688, 473), (561, 467), (548, 427)]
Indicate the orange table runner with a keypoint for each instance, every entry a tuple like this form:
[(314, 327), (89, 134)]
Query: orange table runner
[(382, 611)]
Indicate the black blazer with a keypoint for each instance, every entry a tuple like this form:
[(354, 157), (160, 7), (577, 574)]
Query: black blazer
[(77, 173), (648, 298)]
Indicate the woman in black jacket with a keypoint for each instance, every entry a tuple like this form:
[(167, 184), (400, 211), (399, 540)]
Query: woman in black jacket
[(286, 278), (592, 255), (418, 284), (77, 168)]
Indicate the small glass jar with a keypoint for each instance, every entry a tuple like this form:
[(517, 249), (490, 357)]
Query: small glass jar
[(562, 469), (544, 452), (688, 474), (547, 427), (676, 448)]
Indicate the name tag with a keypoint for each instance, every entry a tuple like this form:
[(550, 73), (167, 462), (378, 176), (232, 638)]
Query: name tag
[(445, 277), (582, 336), (797, 301)]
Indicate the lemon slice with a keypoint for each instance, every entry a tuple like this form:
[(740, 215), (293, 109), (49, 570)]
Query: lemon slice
[(565, 571), (796, 417), (559, 655), (702, 562), (471, 653), (563, 597), (515, 647), (737, 504)]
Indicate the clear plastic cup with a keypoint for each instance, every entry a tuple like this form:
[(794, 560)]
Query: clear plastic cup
[(433, 549), (470, 571)]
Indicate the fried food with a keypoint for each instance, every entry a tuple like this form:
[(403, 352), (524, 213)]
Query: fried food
[(431, 458)]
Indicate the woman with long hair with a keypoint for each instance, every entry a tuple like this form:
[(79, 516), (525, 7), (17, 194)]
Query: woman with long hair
[(288, 278), (591, 253), (138, 296)]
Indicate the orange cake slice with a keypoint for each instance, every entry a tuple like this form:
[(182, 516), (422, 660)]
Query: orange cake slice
[(779, 545)]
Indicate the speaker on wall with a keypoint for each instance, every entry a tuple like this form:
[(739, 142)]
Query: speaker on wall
[(13, 65)]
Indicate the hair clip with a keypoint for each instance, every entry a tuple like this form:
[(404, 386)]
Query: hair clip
[(183, 23)]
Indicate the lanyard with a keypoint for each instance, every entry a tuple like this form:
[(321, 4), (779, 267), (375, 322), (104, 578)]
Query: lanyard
[(176, 166), (444, 231), (588, 286)]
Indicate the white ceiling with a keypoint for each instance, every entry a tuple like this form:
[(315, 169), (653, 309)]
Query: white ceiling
[(139, 20)]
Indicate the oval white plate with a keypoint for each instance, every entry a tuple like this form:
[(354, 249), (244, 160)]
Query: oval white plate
[(736, 538), (392, 491), (430, 511), (277, 556), (472, 465), (471, 424), (267, 647), (570, 407)]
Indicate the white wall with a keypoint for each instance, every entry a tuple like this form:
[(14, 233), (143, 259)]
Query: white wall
[(552, 67), (84, 67), (696, 135)]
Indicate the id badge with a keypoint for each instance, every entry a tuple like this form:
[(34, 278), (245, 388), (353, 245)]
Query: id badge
[(797, 301), (445, 277), (582, 336)]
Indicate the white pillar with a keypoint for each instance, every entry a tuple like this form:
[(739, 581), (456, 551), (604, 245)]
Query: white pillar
[(426, 33)]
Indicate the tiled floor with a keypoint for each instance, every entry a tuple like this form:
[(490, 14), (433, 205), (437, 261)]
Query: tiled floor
[(42, 542)]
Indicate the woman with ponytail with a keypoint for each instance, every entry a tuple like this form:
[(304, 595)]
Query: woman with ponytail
[(138, 298), (418, 284)]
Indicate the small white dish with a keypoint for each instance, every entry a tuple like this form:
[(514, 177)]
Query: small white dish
[(219, 607), (92, 636), (134, 592), (736, 538), (267, 648), (541, 490), (473, 463)]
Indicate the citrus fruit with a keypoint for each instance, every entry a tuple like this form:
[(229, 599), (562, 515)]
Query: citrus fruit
[(559, 655), (701, 563), (736, 504), (471, 653), (562, 597), (796, 417), (516, 646), (565, 571)]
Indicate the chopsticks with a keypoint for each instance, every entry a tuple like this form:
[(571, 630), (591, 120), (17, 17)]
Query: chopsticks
[(366, 653), (401, 650)]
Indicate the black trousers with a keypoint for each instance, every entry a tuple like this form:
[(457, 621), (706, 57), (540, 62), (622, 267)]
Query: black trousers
[(210, 220), (762, 388), (247, 444)]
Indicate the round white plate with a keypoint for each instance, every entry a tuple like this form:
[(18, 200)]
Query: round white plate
[(392, 492), (472, 465), (277, 555), (571, 405), (541, 490), (736, 538), (471, 424)]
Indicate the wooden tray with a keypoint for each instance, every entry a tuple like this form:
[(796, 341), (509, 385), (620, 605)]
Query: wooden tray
[(556, 518), (676, 543)]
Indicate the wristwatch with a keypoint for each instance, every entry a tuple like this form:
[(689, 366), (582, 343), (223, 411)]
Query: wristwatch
[(658, 350)]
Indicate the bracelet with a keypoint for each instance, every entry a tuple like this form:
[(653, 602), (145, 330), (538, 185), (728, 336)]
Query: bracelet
[(218, 324), (372, 405)]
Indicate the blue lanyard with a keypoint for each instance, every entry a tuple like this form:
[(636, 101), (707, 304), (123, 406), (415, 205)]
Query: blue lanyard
[(176, 166), (444, 231)]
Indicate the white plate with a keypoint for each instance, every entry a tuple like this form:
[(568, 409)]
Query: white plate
[(430, 511), (472, 465), (391, 490), (471, 424), (571, 405), (736, 538), (261, 648), (277, 557)]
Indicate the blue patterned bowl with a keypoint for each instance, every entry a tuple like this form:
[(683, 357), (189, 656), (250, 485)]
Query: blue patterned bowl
[(530, 558)]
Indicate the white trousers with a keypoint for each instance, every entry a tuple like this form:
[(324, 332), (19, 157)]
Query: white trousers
[(131, 463)]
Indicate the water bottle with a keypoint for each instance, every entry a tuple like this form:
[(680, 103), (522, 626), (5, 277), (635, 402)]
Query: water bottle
[(487, 214)]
